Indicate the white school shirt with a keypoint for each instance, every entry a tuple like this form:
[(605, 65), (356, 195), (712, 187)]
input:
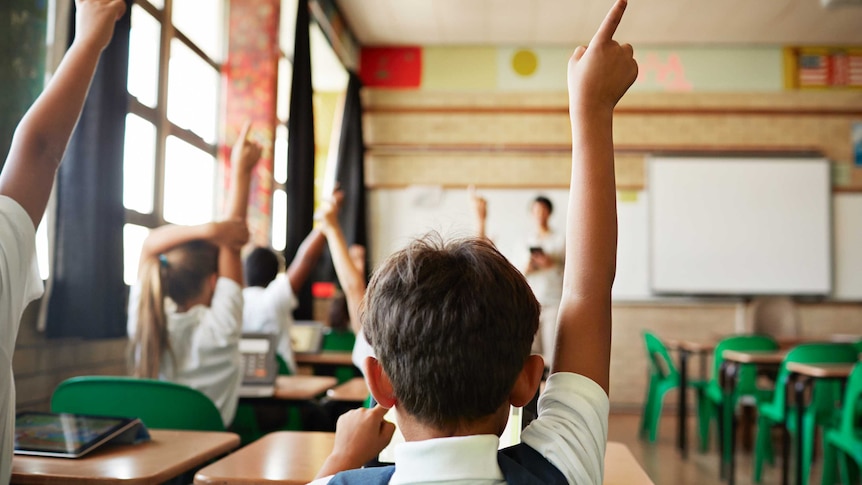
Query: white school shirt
[(270, 310), (547, 284), (361, 350), (571, 432), (205, 345), (19, 285)]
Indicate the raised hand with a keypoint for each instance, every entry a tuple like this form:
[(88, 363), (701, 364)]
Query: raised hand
[(360, 435), (94, 21), (480, 204), (231, 233), (599, 74), (327, 214), (246, 152)]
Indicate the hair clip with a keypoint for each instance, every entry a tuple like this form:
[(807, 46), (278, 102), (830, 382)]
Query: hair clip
[(163, 261)]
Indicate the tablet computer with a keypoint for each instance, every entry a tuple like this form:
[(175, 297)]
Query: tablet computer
[(67, 435)]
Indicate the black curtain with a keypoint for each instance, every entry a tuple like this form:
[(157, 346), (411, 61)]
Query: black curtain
[(350, 175), (88, 295), (300, 154), (351, 167)]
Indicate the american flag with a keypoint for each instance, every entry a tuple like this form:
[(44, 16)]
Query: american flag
[(854, 70), (813, 70)]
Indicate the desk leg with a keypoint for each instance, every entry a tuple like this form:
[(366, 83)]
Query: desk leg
[(732, 378), (785, 447), (728, 373), (799, 387), (683, 407)]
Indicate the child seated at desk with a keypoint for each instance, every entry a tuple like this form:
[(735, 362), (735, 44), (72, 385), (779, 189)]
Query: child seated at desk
[(270, 297), (185, 311), (25, 185), (452, 324)]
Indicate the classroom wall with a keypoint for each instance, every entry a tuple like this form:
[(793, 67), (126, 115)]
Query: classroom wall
[(478, 129), (40, 364)]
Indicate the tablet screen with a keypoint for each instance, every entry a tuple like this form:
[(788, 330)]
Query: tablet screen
[(63, 434)]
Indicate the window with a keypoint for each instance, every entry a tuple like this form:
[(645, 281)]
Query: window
[(175, 52), (279, 155)]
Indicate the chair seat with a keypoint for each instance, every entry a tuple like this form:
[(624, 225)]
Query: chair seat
[(852, 445)]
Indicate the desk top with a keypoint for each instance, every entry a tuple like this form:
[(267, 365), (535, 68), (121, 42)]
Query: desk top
[(621, 468), (169, 454), (821, 370), (302, 388), (695, 346), (294, 457), (754, 357), (352, 390), (325, 358)]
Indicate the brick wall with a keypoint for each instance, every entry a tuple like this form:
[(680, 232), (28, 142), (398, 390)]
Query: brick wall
[(40, 364)]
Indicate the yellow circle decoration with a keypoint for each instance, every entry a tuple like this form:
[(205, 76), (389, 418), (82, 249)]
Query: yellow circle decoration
[(525, 62)]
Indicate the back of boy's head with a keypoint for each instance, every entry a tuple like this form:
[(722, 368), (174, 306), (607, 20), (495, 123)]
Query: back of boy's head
[(261, 267), (452, 325), (545, 202)]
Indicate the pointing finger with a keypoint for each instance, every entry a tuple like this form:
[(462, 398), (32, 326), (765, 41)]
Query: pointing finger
[(609, 25), (579, 52), (246, 128)]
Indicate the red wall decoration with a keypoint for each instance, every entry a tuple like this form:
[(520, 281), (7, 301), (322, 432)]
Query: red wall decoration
[(391, 67)]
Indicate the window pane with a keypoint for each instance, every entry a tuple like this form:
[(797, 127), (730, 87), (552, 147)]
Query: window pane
[(189, 181), (42, 249), (279, 154), (144, 56), (279, 220), (139, 164), (133, 241), (192, 92), (327, 72), (287, 26), (203, 23), (285, 80)]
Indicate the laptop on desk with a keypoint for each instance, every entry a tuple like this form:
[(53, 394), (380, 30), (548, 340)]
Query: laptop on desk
[(306, 336), (259, 367)]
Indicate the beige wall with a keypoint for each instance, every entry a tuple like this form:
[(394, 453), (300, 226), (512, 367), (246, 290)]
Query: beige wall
[(522, 140), (40, 364)]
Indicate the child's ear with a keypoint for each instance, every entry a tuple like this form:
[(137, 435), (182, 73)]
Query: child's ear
[(379, 383), (528, 381)]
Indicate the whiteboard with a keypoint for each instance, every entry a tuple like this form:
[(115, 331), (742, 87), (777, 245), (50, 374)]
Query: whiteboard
[(730, 226), (399, 215), (847, 213)]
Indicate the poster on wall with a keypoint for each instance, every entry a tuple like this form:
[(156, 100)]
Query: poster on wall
[(824, 68)]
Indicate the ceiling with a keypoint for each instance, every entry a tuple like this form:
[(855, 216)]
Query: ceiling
[(568, 22)]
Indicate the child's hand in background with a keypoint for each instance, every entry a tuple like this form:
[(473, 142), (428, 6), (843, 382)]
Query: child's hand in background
[(246, 152), (231, 234)]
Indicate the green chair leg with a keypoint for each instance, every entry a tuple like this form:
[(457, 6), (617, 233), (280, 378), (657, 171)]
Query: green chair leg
[(762, 446), (704, 417), (830, 464)]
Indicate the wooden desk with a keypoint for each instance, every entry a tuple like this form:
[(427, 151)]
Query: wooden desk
[(294, 457), (621, 468), (728, 375), (302, 388), (803, 376), (353, 390), (684, 350), (325, 358), (168, 455)]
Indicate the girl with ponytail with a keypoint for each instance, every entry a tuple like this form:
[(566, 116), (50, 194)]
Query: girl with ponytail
[(185, 311)]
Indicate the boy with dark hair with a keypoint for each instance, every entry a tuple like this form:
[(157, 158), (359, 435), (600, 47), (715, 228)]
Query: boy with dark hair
[(451, 325), (270, 297)]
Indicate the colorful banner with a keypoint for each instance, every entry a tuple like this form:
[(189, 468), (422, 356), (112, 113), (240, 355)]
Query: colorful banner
[(391, 67), (824, 68)]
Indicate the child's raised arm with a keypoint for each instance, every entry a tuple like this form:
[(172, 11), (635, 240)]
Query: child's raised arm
[(350, 277), (305, 259), (598, 76), (42, 135), (244, 157), (224, 234)]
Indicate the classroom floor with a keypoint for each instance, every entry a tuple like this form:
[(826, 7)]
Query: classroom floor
[(665, 466)]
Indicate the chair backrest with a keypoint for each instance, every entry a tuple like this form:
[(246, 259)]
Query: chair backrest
[(338, 340), (776, 316), (858, 346), (747, 374), (158, 404), (816, 353), (658, 357), (850, 410), (283, 369)]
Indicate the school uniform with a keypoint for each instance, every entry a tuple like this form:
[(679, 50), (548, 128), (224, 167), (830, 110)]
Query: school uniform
[(547, 285), (270, 310), (19, 285), (361, 350), (570, 433), (204, 345)]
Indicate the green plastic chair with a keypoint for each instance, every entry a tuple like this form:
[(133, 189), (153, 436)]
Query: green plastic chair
[(663, 376), (340, 341), (159, 404), (746, 386), (283, 369), (821, 412), (845, 440)]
